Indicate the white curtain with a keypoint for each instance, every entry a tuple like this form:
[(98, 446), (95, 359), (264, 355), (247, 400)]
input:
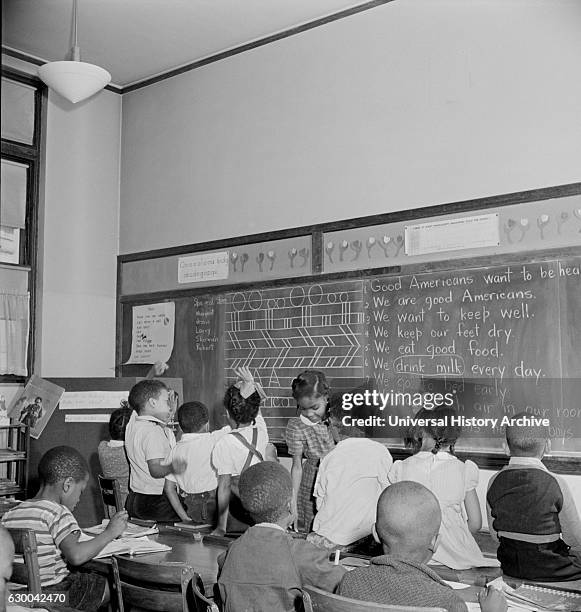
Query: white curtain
[(14, 321)]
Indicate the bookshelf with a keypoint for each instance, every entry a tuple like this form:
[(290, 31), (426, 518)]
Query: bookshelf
[(14, 455)]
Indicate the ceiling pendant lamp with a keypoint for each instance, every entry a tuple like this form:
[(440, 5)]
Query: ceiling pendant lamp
[(74, 80)]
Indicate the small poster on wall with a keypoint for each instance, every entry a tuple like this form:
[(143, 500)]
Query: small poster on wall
[(152, 333), (34, 405)]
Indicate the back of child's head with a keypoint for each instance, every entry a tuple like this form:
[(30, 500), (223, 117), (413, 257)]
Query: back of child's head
[(192, 416), (241, 409), (62, 462), (408, 516), (118, 423), (308, 383), (265, 491), (143, 391), (526, 440), (444, 436)]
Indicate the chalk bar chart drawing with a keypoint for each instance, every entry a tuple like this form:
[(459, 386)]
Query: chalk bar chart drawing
[(279, 332)]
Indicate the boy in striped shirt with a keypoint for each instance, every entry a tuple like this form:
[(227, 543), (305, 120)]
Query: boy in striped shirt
[(64, 474)]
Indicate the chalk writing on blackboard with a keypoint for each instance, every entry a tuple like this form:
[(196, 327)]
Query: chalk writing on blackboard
[(279, 332)]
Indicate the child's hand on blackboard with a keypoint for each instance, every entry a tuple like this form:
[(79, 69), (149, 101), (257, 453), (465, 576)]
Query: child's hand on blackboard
[(157, 369), (246, 383), (173, 400)]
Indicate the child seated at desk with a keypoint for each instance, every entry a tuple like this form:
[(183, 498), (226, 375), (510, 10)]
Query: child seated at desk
[(198, 482), (453, 482), (265, 569), (64, 475), (148, 442), (407, 526), (529, 509)]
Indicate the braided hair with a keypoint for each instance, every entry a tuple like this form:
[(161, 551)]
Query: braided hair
[(242, 410), (444, 436)]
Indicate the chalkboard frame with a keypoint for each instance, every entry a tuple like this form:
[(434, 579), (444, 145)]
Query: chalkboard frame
[(488, 460)]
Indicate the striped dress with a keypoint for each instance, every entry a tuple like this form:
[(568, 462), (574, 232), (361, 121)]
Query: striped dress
[(52, 523)]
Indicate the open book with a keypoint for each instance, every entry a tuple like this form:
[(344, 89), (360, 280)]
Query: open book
[(128, 546), (131, 531)]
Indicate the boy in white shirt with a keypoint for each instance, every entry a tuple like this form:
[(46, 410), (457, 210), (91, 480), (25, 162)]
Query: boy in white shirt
[(198, 482), (349, 482), (148, 442)]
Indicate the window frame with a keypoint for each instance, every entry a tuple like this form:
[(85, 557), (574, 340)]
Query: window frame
[(33, 156)]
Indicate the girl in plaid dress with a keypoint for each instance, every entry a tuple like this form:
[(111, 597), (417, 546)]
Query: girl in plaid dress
[(308, 436)]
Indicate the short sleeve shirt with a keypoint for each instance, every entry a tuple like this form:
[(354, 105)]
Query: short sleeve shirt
[(313, 441), (196, 450), (229, 454), (147, 438), (52, 523)]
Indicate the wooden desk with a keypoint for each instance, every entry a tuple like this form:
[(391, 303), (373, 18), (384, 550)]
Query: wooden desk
[(184, 549)]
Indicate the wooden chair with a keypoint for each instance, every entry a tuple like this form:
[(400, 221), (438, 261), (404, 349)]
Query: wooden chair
[(110, 494), (27, 573), (202, 603), (316, 600), (167, 587)]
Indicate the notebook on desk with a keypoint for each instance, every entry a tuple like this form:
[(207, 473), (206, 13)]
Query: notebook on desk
[(544, 598), (539, 598), (192, 526), (131, 530), (128, 546)]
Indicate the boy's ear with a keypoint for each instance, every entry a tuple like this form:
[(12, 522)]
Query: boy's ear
[(67, 483), (375, 536), (434, 543)]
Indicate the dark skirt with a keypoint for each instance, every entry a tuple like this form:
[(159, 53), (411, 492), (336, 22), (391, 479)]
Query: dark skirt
[(306, 503)]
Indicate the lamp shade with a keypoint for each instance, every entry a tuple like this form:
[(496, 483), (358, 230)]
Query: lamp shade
[(75, 81)]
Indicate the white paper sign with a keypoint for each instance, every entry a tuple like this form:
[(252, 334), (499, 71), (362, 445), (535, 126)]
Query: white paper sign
[(452, 235), (87, 418), (92, 400), (205, 267), (153, 333)]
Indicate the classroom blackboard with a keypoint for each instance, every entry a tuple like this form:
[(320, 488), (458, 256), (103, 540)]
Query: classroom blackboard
[(501, 334)]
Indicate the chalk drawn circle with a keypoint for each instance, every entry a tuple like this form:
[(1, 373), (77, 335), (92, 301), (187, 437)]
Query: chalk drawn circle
[(315, 294), (255, 300), (238, 301), (297, 296), (343, 297), (331, 298), (271, 303), (280, 302)]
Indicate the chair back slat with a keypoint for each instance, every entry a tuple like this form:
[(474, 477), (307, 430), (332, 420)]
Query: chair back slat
[(203, 604), (110, 494), (148, 585), (27, 573), (316, 600)]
